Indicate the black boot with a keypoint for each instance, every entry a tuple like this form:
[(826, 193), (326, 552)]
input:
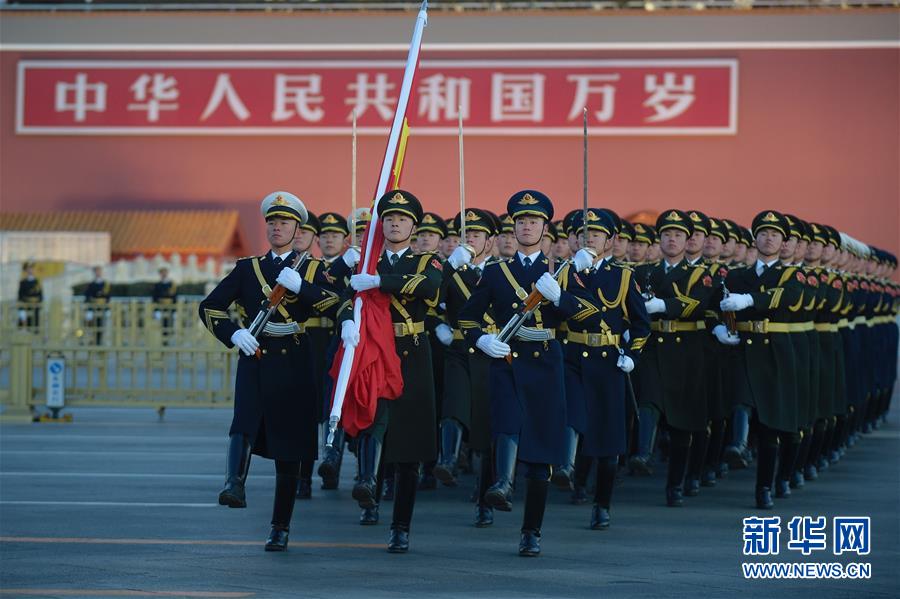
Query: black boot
[(330, 468), (282, 510), (369, 455), (535, 504), (765, 475), (797, 481), (407, 481), (696, 462), (563, 476), (498, 495), (237, 464), (606, 476), (304, 483), (678, 458), (736, 453), (451, 439), (790, 448), (599, 518), (484, 514), (369, 516), (639, 464)]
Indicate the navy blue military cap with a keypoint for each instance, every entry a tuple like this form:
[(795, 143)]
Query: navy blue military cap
[(598, 220), (529, 202), (674, 219), (770, 219)]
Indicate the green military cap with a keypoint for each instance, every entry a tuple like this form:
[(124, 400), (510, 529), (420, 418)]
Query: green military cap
[(507, 225), (616, 219), (819, 233), (770, 219), (717, 228), (597, 220), (561, 232), (746, 237), (644, 233), (452, 228), (398, 201), (674, 219), (311, 224), (551, 232), (477, 220), (734, 229), (700, 221), (567, 220), (333, 222), (432, 223), (795, 228), (626, 230)]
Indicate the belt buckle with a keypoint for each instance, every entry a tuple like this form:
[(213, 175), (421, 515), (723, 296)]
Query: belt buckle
[(759, 326), (593, 339), (667, 326), (399, 329)]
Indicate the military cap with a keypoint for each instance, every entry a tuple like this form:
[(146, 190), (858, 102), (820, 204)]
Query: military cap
[(361, 218), (617, 221), (795, 227), (734, 229), (700, 221), (819, 233), (770, 219), (834, 238), (400, 202), (285, 205), (567, 220), (626, 231), (718, 228), (674, 219), (452, 229), (561, 232), (312, 223), (333, 222), (529, 202), (597, 219), (746, 237), (432, 223), (644, 233), (551, 232), (477, 220), (495, 220), (506, 224)]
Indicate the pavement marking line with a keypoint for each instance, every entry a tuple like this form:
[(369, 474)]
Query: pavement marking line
[(67, 452), (108, 503), (123, 475), (120, 593), (213, 542)]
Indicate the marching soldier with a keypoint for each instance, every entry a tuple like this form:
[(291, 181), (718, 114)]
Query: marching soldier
[(561, 251), (31, 294), (165, 294), (597, 356), (466, 406), (96, 297), (506, 239), (307, 234), (528, 409), (451, 241), (406, 425), (667, 387), (765, 377), (639, 247), (272, 418)]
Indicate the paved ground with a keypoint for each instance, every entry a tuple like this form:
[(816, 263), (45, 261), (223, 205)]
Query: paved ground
[(121, 504)]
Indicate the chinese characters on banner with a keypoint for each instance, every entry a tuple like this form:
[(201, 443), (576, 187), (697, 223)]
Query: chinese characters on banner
[(496, 97)]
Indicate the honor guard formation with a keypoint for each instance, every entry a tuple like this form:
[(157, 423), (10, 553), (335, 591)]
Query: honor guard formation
[(551, 348)]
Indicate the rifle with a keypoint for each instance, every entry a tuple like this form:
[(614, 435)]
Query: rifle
[(730, 319), (270, 304)]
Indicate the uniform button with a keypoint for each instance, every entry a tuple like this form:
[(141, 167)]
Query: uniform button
[(766, 341), (515, 305), (471, 350), (677, 339), (659, 339), (405, 353), (603, 354), (537, 354), (584, 354), (403, 301), (284, 351), (749, 341), (515, 355), (603, 309), (565, 341), (265, 351)]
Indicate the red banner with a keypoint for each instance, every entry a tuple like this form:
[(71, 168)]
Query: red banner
[(318, 97)]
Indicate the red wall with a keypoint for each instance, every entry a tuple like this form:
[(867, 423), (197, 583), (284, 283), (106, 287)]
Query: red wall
[(817, 136)]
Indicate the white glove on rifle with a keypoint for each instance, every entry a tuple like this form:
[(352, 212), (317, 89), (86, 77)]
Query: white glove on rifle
[(724, 337), (290, 279), (444, 334), (351, 257), (89, 316), (492, 346), (625, 364), (157, 315), (349, 334), (655, 306), (459, 257), (736, 302), (549, 288), (583, 259), (245, 342), (365, 282)]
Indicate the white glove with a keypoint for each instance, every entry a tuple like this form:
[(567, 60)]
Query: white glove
[(583, 259), (492, 346), (89, 315), (724, 337), (246, 342), (444, 334), (349, 334), (736, 302), (625, 364), (655, 305), (351, 257), (627, 336), (459, 257), (23, 316), (157, 315), (364, 282), (290, 279), (549, 288)]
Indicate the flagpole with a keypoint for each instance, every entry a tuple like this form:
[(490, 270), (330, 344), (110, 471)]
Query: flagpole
[(462, 183), (353, 188)]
